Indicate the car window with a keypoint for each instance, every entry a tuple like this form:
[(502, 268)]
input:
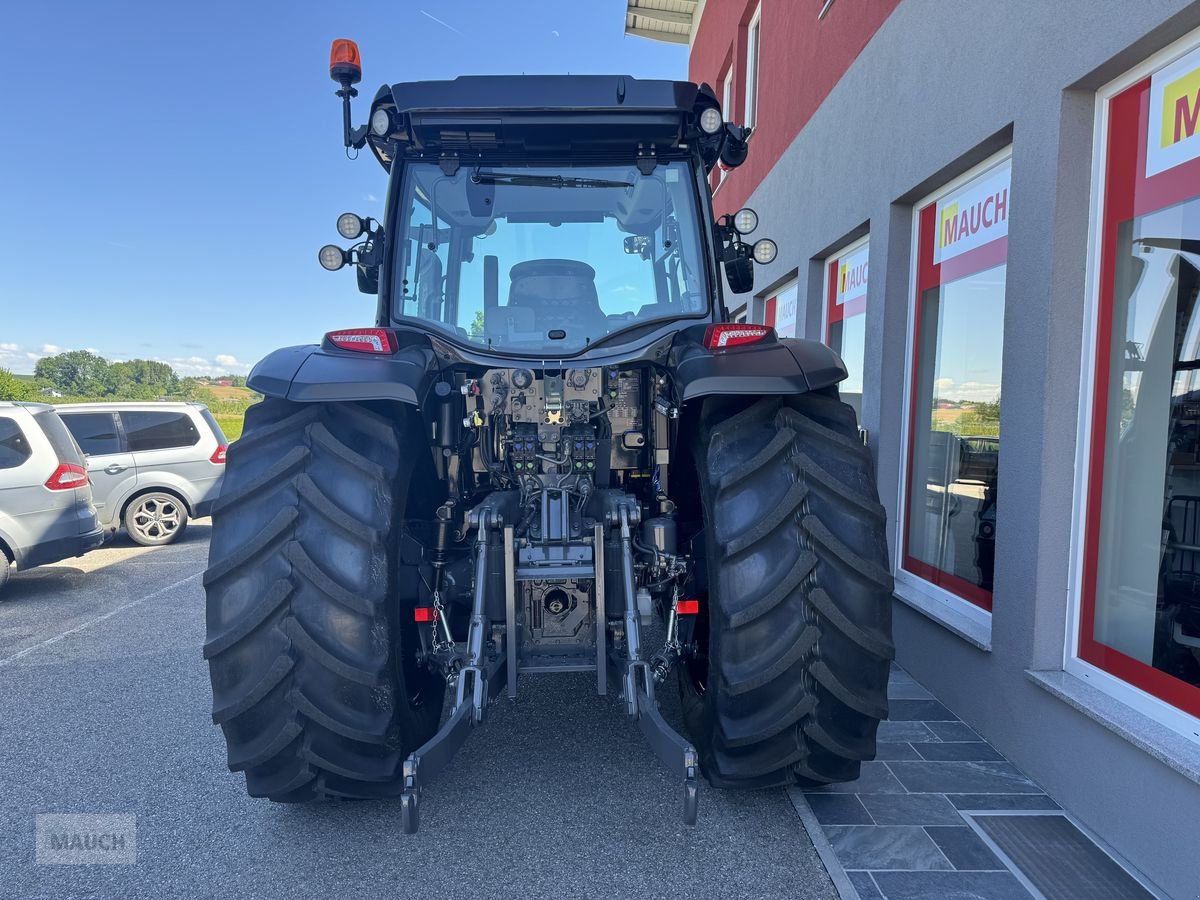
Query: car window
[(14, 448), (216, 428), (60, 439), (96, 433), (153, 430)]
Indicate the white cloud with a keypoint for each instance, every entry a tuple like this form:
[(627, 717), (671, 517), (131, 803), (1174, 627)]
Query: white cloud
[(440, 22), (555, 33), (51, 349), (371, 198), (976, 391), (10, 348), (199, 366)]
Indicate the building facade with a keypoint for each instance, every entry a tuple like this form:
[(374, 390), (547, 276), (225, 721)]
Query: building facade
[(993, 211)]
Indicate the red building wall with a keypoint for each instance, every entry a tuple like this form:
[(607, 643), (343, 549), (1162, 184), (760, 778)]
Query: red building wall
[(800, 62)]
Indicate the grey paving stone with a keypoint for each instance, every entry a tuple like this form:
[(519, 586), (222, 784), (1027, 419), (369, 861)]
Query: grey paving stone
[(874, 779), (953, 731), (1001, 801), (950, 886), (838, 809), (962, 778), (919, 711), (895, 750), (964, 848), (873, 847), (910, 809), (905, 731), (865, 885), (968, 750), (907, 690)]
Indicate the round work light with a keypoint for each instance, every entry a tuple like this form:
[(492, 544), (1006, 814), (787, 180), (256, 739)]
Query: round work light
[(765, 251), (710, 120), (332, 257), (745, 220), (350, 226), (381, 122)]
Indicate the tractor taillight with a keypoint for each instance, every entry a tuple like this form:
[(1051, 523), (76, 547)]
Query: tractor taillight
[(66, 477), (687, 607), (722, 337), (363, 340), (425, 614), (218, 457)]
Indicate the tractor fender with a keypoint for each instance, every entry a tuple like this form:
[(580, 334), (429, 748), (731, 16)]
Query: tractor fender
[(313, 374), (785, 366)]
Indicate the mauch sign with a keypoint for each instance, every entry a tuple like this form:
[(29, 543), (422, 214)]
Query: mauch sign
[(974, 215), (1173, 131), (852, 277)]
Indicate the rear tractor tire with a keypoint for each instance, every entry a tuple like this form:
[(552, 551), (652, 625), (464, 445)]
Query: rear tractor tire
[(310, 643), (793, 648)]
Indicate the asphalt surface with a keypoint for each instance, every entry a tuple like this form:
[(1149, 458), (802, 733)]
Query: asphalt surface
[(104, 708)]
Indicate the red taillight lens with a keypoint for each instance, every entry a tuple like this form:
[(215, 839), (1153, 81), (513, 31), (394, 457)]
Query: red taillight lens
[(687, 607), (425, 614), (218, 457), (66, 477), (363, 340), (722, 337)]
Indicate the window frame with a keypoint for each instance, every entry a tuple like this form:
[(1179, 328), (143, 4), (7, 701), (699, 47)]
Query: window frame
[(727, 96), (753, 29), (827, 290), (1086, 514), (770, 306), (929, 596)]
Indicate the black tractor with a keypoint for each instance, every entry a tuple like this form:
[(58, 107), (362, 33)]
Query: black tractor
[(551, 452)]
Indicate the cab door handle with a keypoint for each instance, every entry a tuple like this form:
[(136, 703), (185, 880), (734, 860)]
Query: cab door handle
[(115, 469)]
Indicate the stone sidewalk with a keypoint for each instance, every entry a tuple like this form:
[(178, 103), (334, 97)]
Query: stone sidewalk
[(908, 827)]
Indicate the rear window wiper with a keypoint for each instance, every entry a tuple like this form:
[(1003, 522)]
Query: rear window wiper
[(554, 181)]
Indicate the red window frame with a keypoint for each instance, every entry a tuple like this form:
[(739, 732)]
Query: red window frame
[(1128, 194), (931, 275), (856, 307)]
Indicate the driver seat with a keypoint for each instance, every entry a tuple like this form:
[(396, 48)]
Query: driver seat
[(561, 293)]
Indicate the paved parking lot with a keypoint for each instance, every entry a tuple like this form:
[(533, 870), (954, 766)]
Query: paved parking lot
[(104, 708)]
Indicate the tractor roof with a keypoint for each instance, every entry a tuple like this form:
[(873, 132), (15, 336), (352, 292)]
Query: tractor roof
[(539, 114)]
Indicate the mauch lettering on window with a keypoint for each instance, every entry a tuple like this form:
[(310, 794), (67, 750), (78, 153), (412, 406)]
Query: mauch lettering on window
[(973, 216), (1173, 129)]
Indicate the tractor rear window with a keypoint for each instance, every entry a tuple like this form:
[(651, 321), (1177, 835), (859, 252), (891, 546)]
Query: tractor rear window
[(547, 259)]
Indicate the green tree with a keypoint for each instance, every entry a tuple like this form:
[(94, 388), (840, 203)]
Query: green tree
[(14, 388), (76, 372), (142, 379)]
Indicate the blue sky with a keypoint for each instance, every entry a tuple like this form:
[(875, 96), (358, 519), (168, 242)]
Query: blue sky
[(168, 171)]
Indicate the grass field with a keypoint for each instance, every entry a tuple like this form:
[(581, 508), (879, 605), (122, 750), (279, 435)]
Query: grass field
[(231, 424)]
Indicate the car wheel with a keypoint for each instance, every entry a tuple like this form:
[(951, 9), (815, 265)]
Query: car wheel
[(5, 569), (155, 519)]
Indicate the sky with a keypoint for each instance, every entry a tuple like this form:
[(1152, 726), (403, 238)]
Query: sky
[(168, 171)]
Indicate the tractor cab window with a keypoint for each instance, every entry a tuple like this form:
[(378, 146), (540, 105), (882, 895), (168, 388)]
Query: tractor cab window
[(547, 259)]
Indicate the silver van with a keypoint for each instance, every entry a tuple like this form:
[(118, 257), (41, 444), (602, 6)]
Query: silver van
[(46, 511), (153, 466)]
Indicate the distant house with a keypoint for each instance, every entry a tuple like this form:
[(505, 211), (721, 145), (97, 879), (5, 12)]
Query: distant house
[(51, 392), (225, 382)]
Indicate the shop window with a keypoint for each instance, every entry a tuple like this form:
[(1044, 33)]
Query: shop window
[(845, 315), (1140, 590), (753, 48), (954, 403), (779, 311)]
